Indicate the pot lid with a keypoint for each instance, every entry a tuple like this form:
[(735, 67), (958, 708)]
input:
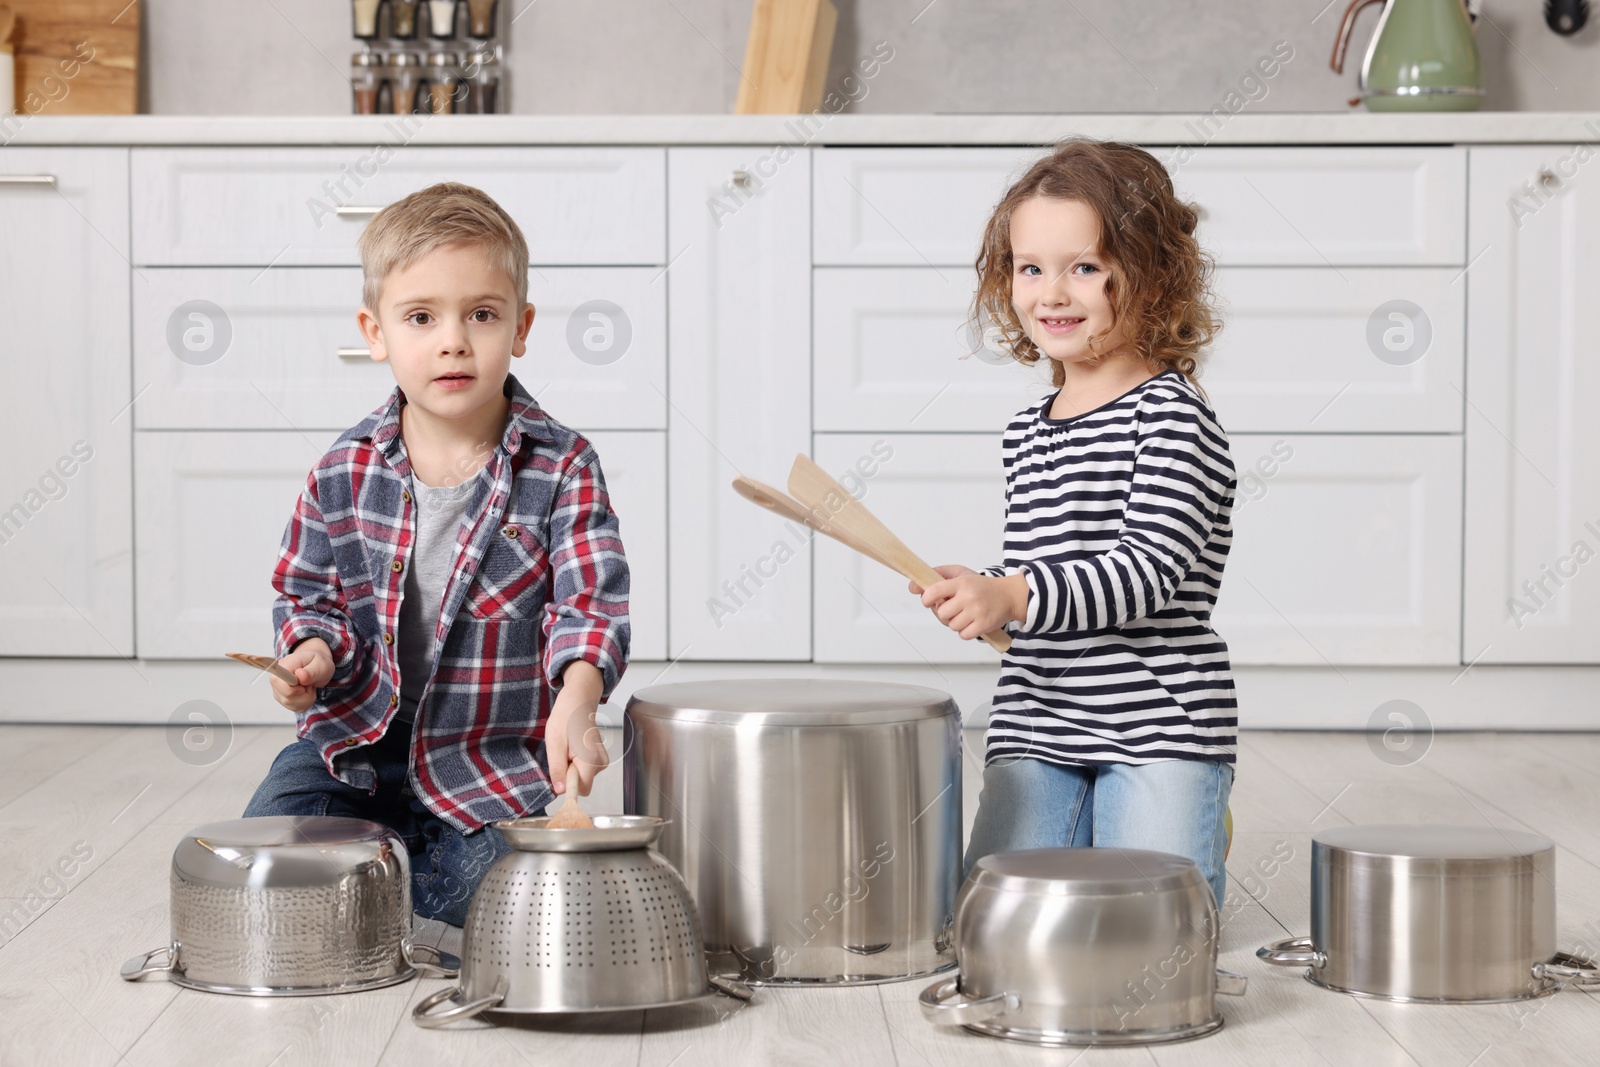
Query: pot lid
[(279, 851), (1428, 848), (1081, 871), (791, 702)]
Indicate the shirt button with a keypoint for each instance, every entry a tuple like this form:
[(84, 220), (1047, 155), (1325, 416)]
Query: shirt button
[(510, 531), (388, 638), (405, 494), (351, 741), (394, 699), (395, 566)]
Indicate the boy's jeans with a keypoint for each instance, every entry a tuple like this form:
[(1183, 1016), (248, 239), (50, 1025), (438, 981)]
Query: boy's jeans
[(446, 865), (1175, 806)]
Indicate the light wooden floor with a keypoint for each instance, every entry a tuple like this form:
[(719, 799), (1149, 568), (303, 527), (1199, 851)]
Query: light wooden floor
[(121, 794)]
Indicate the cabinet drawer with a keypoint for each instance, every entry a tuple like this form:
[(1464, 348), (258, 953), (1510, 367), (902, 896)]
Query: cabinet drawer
[(1260, 206), (1364, 350), (944, 496), (257, 206), (891, 355), (1346, 550), (211, 507), (284, 329)]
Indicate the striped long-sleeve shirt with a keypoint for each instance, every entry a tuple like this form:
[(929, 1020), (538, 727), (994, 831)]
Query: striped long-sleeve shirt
[(540, 580), (1120, 520)]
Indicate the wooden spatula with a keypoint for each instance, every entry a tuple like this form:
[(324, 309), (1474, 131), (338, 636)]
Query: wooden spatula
[(570, 816), (821, 492), (268, 664), (776, 500)]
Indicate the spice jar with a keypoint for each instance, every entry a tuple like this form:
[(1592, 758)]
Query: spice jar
[(444, 76), (403, 19), (442, 18), (365, 15), (405, 72), (365, 78), (482, 77), (480, 18)]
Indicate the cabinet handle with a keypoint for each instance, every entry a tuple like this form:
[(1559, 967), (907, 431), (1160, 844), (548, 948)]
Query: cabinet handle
[(356, 211), (28, 179), (354, 354), (741, 178)]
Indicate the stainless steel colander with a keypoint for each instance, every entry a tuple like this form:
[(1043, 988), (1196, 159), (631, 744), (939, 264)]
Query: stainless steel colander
[(577, 921)]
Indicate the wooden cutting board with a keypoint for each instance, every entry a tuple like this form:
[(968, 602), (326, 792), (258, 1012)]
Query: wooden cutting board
[(786, 57), (77, 57)]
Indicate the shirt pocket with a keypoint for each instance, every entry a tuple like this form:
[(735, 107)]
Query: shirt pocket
[(513, 578)]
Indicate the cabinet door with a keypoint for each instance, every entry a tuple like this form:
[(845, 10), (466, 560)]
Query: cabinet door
[(739, 372), (66, 531), (635, 466), (1346, 550), (237, 348), (944, 495), (1533, 384), (211, 510)]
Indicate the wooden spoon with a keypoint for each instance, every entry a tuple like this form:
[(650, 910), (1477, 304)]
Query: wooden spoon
[(820, 491), (570, 816), (776, 500)]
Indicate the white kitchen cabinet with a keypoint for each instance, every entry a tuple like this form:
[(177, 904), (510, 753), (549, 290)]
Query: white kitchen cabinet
[(1352, 350), (891, 354), (1306, 206), (944, 496), (1533, 384), (1346, 550), (212, 508), (739, 322), (66, 529), (231, 348), (306, 206)]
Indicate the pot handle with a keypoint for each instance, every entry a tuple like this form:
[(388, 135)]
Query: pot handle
[(1231, 984), (731, 987), (140, 966), (433, 964), (943, 1005), (424, 1015), (1572, 970), (1292, 951)]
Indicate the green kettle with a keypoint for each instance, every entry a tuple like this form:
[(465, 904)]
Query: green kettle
[(1423, 56)]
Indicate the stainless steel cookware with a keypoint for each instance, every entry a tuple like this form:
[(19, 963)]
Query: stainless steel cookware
[(817, 822), (290, 906), (1442, 914), (1084, 946), (577, 921)]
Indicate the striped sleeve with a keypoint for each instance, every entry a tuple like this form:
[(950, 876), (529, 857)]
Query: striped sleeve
[(587, 616), (1180, 480), (311, 601)]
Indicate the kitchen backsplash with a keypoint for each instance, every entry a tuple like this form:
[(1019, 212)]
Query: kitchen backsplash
[(683, 56)]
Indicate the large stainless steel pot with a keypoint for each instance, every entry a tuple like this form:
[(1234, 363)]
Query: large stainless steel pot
[(1084, 946), (817, 822), (1441, 914), (290, 906), (578, 921)]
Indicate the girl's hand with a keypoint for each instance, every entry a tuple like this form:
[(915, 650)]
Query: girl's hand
[(311, 661), (571, 735), (975, 604), (949, 570)]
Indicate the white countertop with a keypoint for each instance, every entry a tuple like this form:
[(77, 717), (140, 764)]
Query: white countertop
[(1483, 127)]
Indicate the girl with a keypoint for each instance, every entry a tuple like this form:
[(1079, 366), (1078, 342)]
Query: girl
[(1114, 716)]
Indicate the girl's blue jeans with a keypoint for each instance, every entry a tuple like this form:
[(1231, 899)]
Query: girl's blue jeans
[(446, 864), (1175, 806)]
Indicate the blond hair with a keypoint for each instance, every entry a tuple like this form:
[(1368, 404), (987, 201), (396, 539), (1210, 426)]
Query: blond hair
[(443, 214), (1160, 283)]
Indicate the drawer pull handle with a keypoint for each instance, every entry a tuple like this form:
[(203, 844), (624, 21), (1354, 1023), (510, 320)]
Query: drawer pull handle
[(356, 211), (741, 178), (354, 354), (28, 179)]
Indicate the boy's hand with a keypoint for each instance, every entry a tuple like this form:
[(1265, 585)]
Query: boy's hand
[(974, 604), (311, 661), (571, 735)]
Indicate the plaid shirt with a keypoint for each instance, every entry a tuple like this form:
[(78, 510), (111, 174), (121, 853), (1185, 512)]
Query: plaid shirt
[(540, 580)]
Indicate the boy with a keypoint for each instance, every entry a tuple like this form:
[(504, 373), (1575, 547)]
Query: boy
[(453, 594)]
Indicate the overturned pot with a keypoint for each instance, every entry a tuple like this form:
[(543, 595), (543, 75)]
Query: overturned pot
[(1084, 946)]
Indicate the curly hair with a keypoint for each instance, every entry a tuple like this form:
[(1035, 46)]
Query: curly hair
[(1160, 278)]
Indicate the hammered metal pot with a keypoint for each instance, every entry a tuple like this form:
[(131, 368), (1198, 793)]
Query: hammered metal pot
[(290, 906), (578, 921)]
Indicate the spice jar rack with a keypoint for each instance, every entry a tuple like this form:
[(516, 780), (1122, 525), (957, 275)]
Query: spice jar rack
[(427, 57)]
